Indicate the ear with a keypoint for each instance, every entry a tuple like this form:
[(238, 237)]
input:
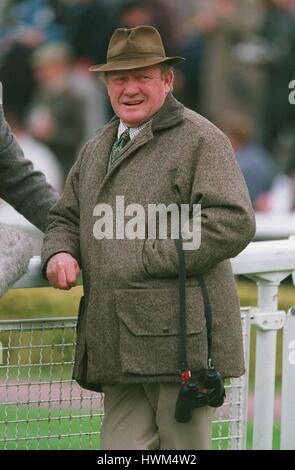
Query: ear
[(168, 80)]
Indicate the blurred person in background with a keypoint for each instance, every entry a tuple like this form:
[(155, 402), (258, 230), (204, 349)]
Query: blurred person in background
[(92, 91), (16, 74), (277, 115), (57, 114), (40, 155), (89, 27), (227, 83), (255, 161), (34, 21), (22, 187), (43, 160)]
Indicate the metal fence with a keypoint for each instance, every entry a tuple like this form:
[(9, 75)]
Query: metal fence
[(42, 408), (229, 427)]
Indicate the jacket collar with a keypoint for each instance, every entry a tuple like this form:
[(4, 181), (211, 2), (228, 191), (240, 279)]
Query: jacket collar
[(168, 116)]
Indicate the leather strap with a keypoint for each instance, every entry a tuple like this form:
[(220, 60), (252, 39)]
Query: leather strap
[(183, 364)]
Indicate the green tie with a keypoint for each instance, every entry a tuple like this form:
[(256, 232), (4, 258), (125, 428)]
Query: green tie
[(118, 145)]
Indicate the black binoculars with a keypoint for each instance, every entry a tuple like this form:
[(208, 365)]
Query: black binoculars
[(206, 389)]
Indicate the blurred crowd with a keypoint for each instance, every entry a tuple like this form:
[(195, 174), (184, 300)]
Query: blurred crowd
[(240, 62)]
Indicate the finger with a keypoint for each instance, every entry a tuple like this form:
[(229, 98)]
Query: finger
[(62, 279), (71, 274), (52, 277)]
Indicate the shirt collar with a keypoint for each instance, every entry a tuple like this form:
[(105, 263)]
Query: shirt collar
[(133, 131)]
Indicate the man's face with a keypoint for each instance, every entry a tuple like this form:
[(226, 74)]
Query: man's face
[(137, 94)]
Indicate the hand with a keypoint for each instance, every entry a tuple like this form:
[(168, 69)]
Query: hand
[(62, 271)]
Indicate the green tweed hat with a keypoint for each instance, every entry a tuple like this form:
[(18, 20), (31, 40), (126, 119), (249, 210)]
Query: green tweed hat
[(135, 48)]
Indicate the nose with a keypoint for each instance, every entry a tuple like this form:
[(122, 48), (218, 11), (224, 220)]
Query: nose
[(131, 87)]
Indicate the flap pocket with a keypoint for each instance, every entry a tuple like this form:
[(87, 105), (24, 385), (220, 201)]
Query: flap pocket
[(149, 330)]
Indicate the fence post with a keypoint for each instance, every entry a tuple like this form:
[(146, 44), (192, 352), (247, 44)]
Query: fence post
[(288, 384), (268, 320)]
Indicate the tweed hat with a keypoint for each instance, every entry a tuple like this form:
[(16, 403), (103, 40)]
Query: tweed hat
[(135, 48)]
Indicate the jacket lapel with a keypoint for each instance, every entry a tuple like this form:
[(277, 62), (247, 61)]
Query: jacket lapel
[(102, 149), (169, 115)]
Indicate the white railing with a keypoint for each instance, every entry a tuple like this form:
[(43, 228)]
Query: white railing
[(268, 264)]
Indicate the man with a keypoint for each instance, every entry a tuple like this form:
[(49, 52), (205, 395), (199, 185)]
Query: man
[(128, 338)]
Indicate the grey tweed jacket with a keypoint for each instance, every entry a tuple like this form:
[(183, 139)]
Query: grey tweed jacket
[(22, 187), (128, 319)]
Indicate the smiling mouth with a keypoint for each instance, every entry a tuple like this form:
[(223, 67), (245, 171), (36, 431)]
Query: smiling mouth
[(130, 104)]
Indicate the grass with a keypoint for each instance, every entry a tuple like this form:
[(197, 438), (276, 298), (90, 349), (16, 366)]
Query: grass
[(48, 302), (39, 303), (53, 429), (42, 429), (30, 303)]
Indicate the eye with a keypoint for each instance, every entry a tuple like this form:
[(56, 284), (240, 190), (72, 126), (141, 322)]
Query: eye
[(118, 79), (144, 78)]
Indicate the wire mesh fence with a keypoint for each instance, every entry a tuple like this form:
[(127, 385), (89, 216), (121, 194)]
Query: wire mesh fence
[(229, 427), (42, 408)]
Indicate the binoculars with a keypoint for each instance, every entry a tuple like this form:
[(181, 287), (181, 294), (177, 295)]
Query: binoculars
[(206, 389)]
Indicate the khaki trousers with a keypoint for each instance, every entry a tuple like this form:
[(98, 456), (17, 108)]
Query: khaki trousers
[(141, 416)]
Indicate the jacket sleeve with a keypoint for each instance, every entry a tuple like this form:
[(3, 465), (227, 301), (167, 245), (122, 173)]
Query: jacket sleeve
[(63, 233), (22, 187), (209, 177)]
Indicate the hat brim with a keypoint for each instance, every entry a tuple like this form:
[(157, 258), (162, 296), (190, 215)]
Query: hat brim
[(134, 63)]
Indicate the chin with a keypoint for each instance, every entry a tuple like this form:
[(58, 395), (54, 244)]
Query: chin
[(135, 122)]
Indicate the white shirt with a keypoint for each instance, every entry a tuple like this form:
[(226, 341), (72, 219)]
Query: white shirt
[(133, 131)]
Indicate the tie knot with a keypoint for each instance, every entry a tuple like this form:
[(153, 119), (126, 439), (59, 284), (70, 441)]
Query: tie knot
[(125, 137)]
